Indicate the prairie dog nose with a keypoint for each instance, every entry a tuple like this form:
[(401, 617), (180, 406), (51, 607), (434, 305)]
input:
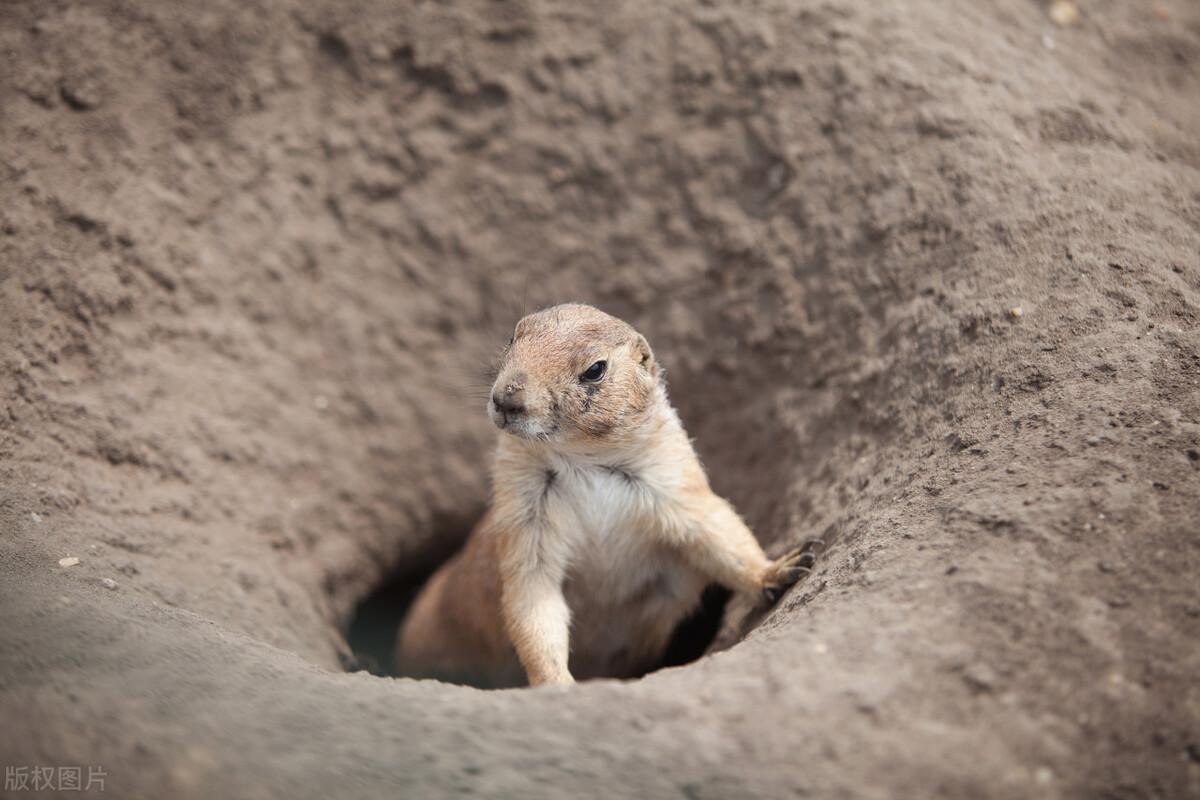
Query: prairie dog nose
[(511, 401)]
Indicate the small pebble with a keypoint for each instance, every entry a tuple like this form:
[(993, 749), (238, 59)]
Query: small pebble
[(1064, 12), (1092, 441), (109, 583), (69, 561), (980, 676), (1016, 311), (81, 93)]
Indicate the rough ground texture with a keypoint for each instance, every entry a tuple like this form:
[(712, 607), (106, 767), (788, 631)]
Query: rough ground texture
[(251, 254)]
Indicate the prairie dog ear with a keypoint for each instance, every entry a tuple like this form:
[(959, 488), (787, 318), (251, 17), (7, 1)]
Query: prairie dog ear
[(645, 356)]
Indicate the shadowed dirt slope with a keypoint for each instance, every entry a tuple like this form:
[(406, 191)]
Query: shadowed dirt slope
[(925, 278)]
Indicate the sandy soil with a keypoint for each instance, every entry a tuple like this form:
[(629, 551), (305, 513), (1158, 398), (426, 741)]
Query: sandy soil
[(925, 276)]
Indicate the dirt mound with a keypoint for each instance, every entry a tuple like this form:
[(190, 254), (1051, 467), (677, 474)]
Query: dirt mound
[(925, 281)]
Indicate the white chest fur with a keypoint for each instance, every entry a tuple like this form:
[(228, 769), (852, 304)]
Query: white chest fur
[(613, 552), (603, 500)]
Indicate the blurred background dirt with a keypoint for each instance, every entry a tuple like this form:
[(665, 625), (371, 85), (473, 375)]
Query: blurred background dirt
[(925, 277)]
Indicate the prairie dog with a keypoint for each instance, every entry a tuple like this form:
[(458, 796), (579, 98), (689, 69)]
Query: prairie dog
[(602, 530)]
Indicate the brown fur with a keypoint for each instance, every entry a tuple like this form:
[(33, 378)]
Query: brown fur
[(602, 531)]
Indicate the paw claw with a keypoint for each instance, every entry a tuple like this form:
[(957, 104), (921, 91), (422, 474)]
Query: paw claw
[(791, 568), (797, 572)]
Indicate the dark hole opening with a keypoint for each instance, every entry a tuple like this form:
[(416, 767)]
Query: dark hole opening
[(376, 621), (693, 636), (371, 633)]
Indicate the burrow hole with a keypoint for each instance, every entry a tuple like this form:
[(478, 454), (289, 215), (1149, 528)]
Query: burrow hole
[(372, 631)]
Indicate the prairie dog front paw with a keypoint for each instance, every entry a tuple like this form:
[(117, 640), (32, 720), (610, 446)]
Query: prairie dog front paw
[(789, 568)]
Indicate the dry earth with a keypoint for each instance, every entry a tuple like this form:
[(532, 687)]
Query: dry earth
[(251, 254)]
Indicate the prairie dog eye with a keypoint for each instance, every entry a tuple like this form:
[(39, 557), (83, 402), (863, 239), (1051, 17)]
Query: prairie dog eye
[(594, 373)]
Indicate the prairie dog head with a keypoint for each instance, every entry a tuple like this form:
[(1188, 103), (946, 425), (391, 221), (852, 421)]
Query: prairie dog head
[(572, 373)]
